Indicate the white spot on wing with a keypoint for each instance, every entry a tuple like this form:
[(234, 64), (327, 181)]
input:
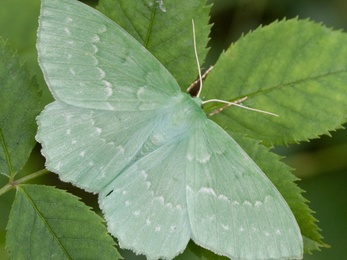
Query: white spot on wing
[(109, 92), (157, 228), (179, 207), (95, 60), (58, 166), (241, 229), (235, 202), (67, 31), (91, 163), (124, 192), (103, 29), (72, 71), (207, 191), (148, 222), (222, 197), (127, 203), (278, 232), (140, 91), (96, 38), (258, 203), (82, 153), (268, 197), (160, 198), (73, 141), (109, 106), (70, 42), (144, 174), (95, 48), (136, 212), (212, 217), (112, 144), (267, 234), (102, 72), (68, 131), (204, 159), (247, 203), (108, 84), (98, 130), (119, 147), (68, 20), (226, 227)]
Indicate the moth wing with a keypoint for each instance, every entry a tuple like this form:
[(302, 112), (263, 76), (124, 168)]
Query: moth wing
[(234, 209), (89, 61), (145, 206), (90, 147)]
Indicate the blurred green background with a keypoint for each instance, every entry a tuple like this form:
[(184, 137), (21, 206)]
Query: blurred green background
[(320, 164)]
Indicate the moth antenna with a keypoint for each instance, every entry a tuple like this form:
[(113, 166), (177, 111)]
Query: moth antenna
[(228, 105), (196, 81), (217, 100), (235, 103), (197, 60)]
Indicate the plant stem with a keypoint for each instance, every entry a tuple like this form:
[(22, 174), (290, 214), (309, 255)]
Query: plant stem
[(13, 184)]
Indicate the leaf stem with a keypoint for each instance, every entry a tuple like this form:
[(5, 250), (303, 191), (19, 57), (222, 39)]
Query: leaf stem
[(13, 184)]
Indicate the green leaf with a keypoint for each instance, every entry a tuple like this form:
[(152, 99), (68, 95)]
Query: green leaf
[(20, 104), (21, 32), (310, 245), (202, 252), (296, 69), (165, 29), (47, 223)]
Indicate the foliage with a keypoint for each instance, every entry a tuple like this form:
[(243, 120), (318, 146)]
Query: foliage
[(20, 104), (47, 223)]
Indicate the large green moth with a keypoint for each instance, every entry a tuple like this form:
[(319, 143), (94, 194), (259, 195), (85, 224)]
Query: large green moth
[(164, 172)]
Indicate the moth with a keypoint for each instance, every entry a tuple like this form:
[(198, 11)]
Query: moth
[(164, 172)]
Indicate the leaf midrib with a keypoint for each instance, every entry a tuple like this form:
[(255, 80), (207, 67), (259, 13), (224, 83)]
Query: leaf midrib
[(280, 86), (296, 82), (150, 25), (46, 224)]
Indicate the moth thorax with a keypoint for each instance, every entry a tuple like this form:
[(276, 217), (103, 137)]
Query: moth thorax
[(187, 111)]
